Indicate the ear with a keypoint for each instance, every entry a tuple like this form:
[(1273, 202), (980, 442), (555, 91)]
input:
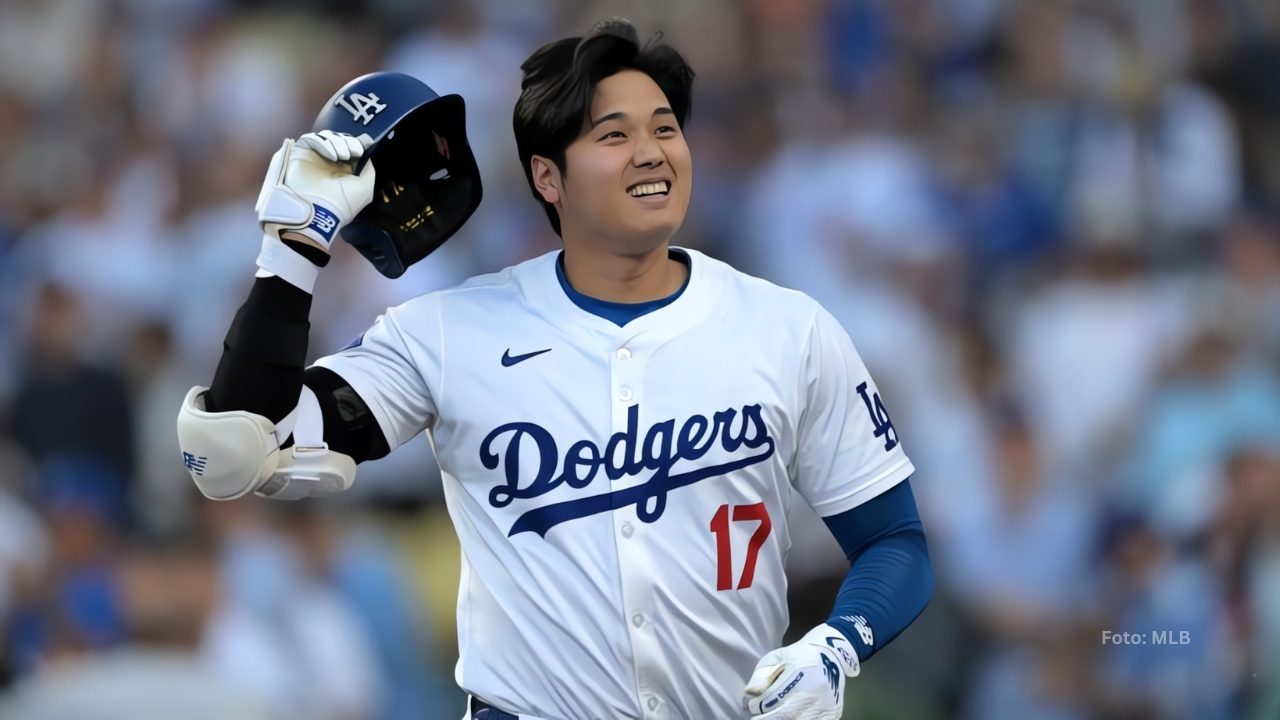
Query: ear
[(546, 178)]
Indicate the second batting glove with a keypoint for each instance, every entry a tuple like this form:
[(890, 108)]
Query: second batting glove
[(310, 192), (804, 680)]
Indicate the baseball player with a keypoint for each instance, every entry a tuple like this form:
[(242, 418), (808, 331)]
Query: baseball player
[(621, 425)]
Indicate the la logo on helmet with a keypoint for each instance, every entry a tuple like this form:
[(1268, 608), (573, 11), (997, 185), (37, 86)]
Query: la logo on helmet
[(363, 108)]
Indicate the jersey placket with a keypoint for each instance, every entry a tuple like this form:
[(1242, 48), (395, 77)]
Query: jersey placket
[(626, 387)]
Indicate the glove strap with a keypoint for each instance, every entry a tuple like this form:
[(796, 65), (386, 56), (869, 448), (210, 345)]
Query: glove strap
[(829, 636), (277, 259)]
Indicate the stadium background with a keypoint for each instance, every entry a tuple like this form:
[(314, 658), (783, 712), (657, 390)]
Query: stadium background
[(1052, 228)]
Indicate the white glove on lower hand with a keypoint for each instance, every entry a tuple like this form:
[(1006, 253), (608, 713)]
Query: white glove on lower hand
[(804, 680), (310, 192)]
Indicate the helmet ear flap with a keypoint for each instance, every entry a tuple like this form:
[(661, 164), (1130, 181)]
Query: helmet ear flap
[(376, 246)]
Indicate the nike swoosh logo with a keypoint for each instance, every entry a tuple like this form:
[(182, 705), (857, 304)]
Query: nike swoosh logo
[(508, 359)]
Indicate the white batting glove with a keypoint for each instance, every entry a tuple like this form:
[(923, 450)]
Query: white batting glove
[(311, 191), (804, 680)]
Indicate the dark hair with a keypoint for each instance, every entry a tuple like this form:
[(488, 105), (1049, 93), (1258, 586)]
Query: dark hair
[(560, 79)]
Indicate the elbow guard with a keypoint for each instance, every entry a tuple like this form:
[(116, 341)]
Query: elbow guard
[(231, 454)]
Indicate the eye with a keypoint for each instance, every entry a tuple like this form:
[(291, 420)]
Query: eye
[(609, 135), (666, 130)]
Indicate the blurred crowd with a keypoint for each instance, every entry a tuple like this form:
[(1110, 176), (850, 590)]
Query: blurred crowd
[(1052, 228)]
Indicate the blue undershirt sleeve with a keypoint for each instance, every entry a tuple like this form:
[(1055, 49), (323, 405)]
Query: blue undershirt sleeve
[(890, 579)]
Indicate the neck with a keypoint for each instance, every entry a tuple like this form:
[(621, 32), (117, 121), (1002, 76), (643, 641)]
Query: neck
[(613, 277)]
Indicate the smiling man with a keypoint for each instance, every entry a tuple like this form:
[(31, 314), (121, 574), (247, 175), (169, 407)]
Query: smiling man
[(621, 425)]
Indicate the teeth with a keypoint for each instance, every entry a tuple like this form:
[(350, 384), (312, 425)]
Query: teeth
[(642, 189)]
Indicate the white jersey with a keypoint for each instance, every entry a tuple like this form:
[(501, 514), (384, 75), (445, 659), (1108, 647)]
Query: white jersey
[(621, 493)]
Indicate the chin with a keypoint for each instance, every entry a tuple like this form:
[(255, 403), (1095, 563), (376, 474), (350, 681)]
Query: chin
[(646, 238), (655, 228)]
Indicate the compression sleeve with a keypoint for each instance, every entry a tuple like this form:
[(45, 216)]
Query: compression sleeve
[(263, 369), (890, 580), (264, 352)]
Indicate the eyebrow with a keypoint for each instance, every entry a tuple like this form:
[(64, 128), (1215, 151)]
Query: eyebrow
[(622, 115)]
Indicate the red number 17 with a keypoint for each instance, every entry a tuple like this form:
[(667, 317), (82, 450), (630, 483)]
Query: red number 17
[(724, 556)]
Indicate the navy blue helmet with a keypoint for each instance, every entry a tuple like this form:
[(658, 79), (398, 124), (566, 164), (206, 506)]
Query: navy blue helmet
[(427, 183)]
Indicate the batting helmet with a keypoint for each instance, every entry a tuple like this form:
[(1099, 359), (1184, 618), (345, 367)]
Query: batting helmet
[(427, 182)]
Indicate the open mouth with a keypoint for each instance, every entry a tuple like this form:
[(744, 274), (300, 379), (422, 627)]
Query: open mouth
[(646, 189)]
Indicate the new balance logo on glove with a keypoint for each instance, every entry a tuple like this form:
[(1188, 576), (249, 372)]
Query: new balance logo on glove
[(324, 222)]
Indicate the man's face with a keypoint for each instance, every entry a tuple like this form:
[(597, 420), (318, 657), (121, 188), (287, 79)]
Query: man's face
[(629, 173)]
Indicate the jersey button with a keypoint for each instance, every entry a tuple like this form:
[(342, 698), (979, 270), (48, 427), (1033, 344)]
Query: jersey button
[(653, 703), (628, 530), (637, 619), (624, 353), (625, 394)]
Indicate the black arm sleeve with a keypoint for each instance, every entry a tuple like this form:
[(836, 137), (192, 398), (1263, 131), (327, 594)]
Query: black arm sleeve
[(263, 369), (264, 353)]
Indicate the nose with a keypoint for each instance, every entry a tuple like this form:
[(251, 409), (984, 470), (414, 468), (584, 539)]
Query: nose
[(648, 154)]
